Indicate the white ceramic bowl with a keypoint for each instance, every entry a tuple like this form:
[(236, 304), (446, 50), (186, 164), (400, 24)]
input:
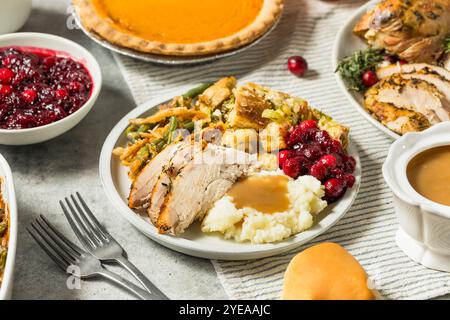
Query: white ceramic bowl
[(424, 233), (346, 44), (13, 14), (10, 198), (77, 52)]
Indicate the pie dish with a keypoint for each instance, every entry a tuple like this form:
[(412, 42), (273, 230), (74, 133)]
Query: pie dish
[(195, 28)]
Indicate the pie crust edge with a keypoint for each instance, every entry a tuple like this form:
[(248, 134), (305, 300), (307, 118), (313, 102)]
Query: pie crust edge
[(93, 22)]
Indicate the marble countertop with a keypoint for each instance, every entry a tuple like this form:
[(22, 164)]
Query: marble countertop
[(47, 172)]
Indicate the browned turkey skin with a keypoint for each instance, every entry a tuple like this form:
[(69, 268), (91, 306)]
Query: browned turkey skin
[(414, 30)]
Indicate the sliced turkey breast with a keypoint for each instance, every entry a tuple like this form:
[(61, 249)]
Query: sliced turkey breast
[(392, 69), (415, 95), (396, 119), (199, 184), (162, 186), (405, 105), (143, 184)]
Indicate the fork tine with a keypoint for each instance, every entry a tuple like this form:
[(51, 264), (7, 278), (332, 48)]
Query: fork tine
[(53, 245), (76, 215), (78, 232), (81, 213), (75, 250), (94, 220), (59, 262)]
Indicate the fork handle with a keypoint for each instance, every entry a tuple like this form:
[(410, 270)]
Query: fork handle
[(142, 294), (124, 262)]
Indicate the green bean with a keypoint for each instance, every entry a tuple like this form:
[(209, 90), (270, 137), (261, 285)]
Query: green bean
[(130, 129), (143, 128), (195, 92), (143, 154), (189, 126), (173, 125)]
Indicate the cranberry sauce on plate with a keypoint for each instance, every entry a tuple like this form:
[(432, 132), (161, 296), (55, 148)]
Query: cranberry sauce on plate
[(40, 86)]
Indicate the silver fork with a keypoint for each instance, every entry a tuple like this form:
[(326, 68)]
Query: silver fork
[(66, 254), (97, 240)]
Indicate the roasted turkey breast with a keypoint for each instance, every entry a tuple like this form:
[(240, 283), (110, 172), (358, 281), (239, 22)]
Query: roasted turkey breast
[(408, 102), (182, 182), (413, 29), (203, 181)]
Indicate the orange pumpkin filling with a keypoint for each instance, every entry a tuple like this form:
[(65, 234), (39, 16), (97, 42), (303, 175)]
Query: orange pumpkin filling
[(180, 21)]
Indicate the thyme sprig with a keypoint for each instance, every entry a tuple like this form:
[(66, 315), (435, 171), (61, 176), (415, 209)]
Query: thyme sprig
[(352, 67)]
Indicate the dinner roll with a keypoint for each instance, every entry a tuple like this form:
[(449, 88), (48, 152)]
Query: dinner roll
[(326, 272)]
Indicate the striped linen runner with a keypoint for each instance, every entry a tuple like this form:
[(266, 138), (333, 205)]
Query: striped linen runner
[(309, 27)]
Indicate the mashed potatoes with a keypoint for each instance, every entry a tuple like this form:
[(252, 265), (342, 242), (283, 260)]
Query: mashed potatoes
[(247, 224)]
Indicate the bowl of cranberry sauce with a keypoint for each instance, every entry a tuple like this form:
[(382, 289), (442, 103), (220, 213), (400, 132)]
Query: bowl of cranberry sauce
[(48, 84)]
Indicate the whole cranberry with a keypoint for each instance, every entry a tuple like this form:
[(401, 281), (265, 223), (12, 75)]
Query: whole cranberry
[(6, 61), (334, 188), (61, 94), (322, 137), (297, 65), (75, 86), (369, 78), (292, 167), (29, 95), (329, 161), (312, 152), (350, 164), (5, 90), (349, 180), (49, 61), (6, 76), (308, 124), (295, 136), (334, 146), (283, 155), (319, 171), (402, 61), (336, 173)]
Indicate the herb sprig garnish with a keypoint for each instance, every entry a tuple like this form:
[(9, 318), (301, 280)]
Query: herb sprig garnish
[(352, 67), (447, 44)]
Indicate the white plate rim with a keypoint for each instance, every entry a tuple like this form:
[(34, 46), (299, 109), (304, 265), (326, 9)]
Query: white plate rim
[(202, 250), (336, 57), (10, 198)]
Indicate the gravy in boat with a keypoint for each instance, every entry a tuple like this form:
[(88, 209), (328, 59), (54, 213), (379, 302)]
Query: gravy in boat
[(429, 174)]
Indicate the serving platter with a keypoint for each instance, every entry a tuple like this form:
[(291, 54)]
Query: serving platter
[(195, 243), (346, 44), (9, 197), (169, 60)]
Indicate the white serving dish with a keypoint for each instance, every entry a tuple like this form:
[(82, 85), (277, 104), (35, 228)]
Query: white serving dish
[(13, 14), (9, 197), (424, 233), (346, 44), (66, 47), (195, 243)]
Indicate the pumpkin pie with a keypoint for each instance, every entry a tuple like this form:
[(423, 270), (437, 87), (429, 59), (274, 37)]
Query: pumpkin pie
[(179, 27)]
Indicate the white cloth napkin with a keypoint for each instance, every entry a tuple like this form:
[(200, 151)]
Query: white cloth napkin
[(308, 28)]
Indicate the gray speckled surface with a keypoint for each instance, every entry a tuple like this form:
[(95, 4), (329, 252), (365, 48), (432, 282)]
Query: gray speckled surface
[(47, 172)]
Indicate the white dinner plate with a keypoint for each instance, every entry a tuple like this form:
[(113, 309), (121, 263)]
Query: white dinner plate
[(9, 197), (346, 44), (195, 243)]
